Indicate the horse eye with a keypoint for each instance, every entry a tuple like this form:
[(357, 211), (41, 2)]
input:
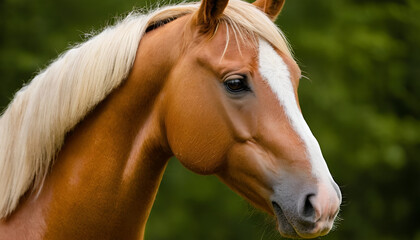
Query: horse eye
[(236, 85)]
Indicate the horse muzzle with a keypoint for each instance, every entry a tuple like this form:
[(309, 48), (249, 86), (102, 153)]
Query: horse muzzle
[(306, 214)]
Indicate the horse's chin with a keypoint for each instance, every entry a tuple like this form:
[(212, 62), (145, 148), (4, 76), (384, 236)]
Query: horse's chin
[(286, 229)]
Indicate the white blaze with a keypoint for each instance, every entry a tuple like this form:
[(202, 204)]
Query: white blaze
[(276, 73)]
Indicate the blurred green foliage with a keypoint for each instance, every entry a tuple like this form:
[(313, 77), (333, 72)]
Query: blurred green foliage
[(362, 102)]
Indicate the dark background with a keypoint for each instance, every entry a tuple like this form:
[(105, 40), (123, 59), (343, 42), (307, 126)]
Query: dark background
[(362, 102)]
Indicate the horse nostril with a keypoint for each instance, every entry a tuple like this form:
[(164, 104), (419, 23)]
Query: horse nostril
[(308, 210)]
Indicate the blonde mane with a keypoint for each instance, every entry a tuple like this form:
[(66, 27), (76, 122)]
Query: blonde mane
[(33, 127)]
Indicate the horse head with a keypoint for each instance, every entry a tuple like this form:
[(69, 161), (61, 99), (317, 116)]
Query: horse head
[(233, 111)]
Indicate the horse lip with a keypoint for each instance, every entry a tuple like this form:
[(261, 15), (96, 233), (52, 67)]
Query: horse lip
[(285, 228), (304, 228)]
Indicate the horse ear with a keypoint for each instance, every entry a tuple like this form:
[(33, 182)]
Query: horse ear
[(209, 13), (270, 7)]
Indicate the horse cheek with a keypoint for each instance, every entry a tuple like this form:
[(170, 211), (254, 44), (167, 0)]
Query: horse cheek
[(198, 136)]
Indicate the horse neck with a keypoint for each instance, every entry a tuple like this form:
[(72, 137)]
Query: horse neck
[(105, 178)]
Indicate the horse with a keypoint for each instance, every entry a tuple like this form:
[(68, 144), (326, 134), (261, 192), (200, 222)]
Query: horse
[(84, 146)]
